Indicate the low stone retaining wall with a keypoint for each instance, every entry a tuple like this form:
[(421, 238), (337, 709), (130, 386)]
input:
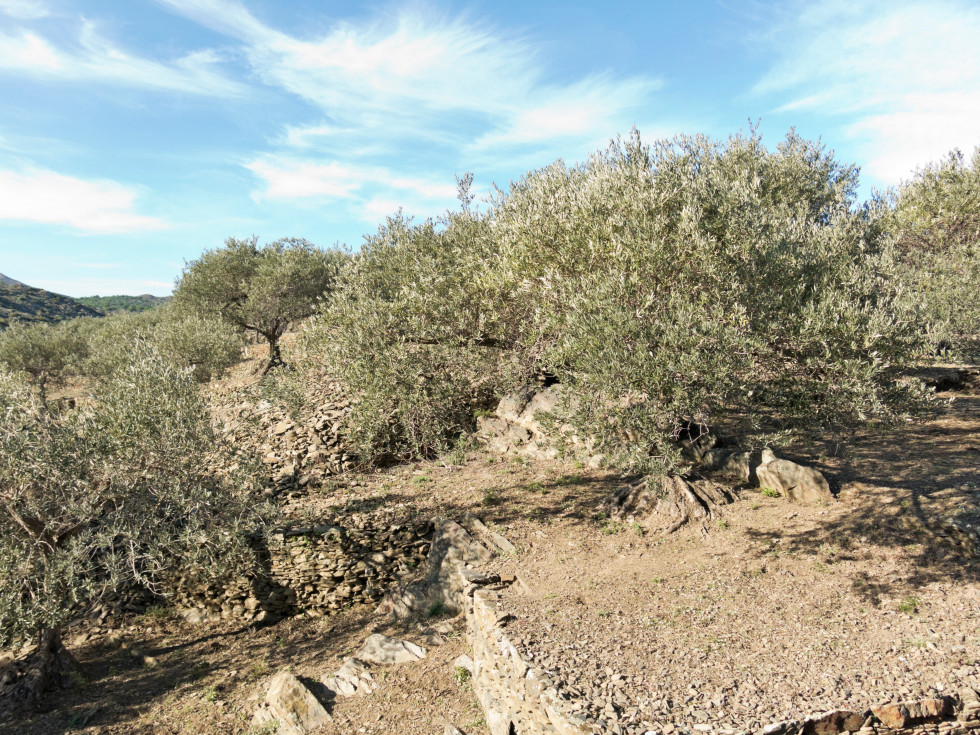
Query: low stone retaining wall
[(519, 699), (316, 570)]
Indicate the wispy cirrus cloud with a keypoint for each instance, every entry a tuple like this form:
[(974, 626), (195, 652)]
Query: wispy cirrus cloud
[(905, 76), (418, 75), (24, 9), (96, 59), (410, 92), (373, 191), (89, 206)]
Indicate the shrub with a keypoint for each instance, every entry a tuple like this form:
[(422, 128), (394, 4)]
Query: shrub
[(204, 346), (417, 328), (44, 352)]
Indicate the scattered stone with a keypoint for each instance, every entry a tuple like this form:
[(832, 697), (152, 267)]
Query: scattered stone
[(352, 679), (380, 649), (834, 722), (294, 706)]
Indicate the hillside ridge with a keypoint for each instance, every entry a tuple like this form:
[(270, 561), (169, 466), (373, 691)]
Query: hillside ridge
[(22, 303)]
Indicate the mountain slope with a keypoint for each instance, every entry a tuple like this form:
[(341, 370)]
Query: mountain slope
[(109, 304), (27, 304)]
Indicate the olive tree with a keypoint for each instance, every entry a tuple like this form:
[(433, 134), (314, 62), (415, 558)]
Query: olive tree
[(45, 352), (661, 285), (203, 345), (417, 327), (937, 218), (261, 289), (122, 493)]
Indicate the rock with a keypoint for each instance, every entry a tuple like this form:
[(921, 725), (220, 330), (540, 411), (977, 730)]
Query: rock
[(353, 678), (930, 709), (194, 615), (451, 730), (380, 649), (891, 715), (502, 543), (464, 662), (798, 483), (294, 706), (832, 723), (451, 543), (732, 465), (900, 715)]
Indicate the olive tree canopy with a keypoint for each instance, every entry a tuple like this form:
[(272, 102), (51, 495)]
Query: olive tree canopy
[(261, 289), (659, 284), (123, 492)]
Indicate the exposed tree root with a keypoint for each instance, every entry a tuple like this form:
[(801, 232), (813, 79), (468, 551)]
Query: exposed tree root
[(49, 667), (677, 500)]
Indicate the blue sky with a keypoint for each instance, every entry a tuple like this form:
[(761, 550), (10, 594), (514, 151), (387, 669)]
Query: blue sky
[(136, 134)]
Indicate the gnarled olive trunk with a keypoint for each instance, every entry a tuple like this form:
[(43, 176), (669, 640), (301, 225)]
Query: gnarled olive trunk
[(48, 668)]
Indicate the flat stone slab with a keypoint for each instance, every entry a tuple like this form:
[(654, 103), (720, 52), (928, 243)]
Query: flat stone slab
[(380, 649)]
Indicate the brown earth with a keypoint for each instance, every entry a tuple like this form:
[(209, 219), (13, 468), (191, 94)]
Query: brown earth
[(772, 612)]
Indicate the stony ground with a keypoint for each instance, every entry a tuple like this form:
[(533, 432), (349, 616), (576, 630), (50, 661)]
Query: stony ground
[(772, 611), (209, 679)]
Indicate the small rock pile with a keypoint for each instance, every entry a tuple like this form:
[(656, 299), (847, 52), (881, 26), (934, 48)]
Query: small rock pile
[(518, 426)]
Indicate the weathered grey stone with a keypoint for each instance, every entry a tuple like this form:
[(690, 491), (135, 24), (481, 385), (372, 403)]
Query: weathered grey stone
[(798, 483), (380, 649), (351, 679), (293, 705), (502, 543), (451, 543)]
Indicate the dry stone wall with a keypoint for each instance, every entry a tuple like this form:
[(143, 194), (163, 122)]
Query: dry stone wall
[(294, 453), (520, 699), (317, 569)]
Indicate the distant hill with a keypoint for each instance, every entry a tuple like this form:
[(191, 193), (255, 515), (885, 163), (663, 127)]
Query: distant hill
[(27, 304), (110, 304)]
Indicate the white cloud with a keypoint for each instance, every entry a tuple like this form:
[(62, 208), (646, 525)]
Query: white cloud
[(412, 77), (290, 178), (906, 75), (96, 59), (304, 137), (47, 197), (24, 9)]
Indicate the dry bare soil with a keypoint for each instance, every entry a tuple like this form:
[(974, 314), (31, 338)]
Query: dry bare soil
[(772, 611)]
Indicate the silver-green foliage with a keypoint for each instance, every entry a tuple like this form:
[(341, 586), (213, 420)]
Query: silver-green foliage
[(937, 215), (119, 493), (659, 283), (261, 289), (45, 352), (416, 328), (204, 345)]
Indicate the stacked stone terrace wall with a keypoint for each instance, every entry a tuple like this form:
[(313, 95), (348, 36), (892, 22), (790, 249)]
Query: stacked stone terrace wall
[(519, 699), (317, 570)]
